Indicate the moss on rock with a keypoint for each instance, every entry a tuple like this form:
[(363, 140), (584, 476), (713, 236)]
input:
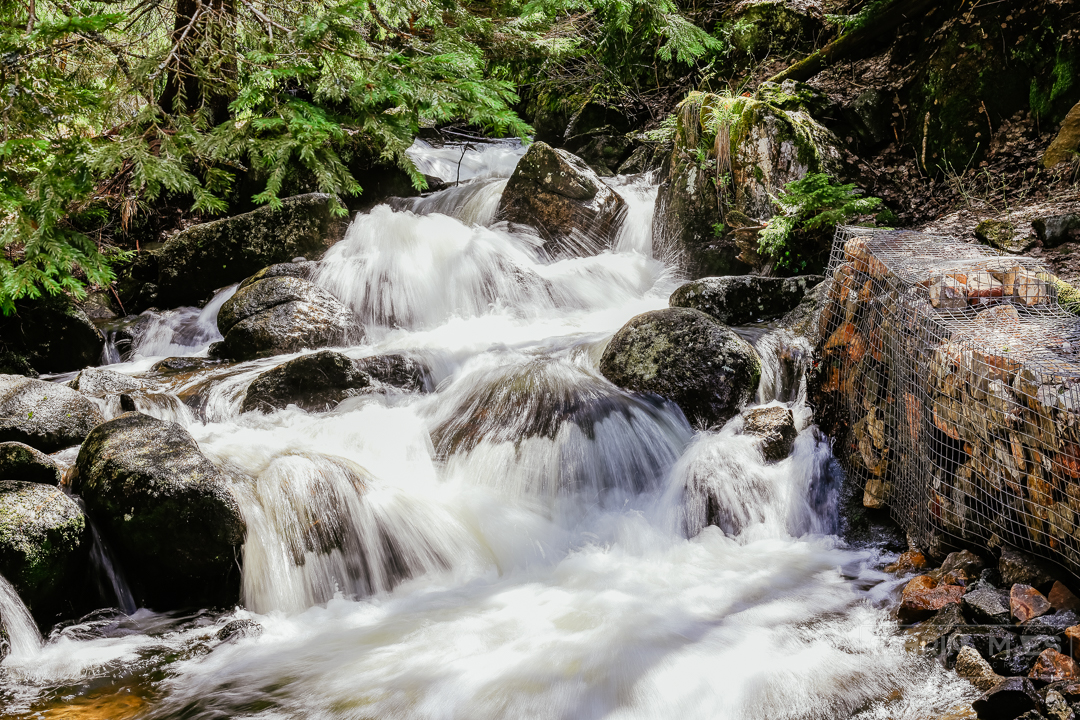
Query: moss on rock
[(44, 415)]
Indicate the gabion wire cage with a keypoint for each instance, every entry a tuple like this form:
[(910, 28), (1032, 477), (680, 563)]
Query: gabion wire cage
[(958, 375)]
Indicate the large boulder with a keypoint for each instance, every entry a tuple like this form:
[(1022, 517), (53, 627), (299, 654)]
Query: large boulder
[(44, 543), (44, 415), (22, 462), (48, 335), (1067, 142), (199, 260), (687, 357), (564, 200), (741, 299), (283, 314), (165, 509), (321, 380)]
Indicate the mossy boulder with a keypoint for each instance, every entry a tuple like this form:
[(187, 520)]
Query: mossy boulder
[(741, 299), (165, 509), (305, 270), (1003, 235), (760, 27), (687, 357), (48, 335), (320, 381), (559, 196), (283, 314), (22, 462), (196, 262), (44, 543), (1066, 144), (44, 415)]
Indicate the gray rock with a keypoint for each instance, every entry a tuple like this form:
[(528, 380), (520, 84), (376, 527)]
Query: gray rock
[(971, 665), (303, 269), (988, 640), (687, 357), (22, 462), (1058, 229), (934, 633), (742, 299), (43, 542), (963, 562), (985, 603), (103, 383), (398, 371), (238, 630), (283, 314), (1056, 706), (48, 335), (564, 200), (313, 382), (1053, 624), (1007, 700), (803, 319), (1018, 567), (775, 426), (196, 262), (45, 416), (1019, 658), (165, 509)]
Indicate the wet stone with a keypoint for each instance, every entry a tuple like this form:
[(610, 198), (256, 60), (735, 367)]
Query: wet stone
[(1051, 624), (1007, 700), (1061, 598), (239, 630), (1017, 567), (1057, 708), (987, 640), (1025, 603), (985, 603), (776, 428), (44, 415), (908, 561), (963, 563), (22, 462), (923, 596), (1053, 666), (1072, 641), (971, 665), (1021, 656), (933, 635)]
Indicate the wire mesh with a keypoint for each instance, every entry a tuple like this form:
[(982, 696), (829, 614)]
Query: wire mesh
[(958, 375)]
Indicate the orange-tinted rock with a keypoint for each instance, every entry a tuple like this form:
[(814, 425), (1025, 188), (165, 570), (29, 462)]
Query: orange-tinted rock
[(1053, 666), (1061, 598), (1072, 640), (923, 596), (1025, 603), (911, 560)]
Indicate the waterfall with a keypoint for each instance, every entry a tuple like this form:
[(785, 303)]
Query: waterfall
[(23, 637), (184, 331)]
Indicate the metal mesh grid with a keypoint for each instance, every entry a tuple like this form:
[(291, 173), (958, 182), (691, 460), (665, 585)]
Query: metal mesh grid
[(959, 377)]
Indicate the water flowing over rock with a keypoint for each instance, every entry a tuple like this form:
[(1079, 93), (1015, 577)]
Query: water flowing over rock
[(742, 299), (19, 635), (22, 462), (43, 543), (166, 510), (776, 428), (45, 416), (560, 196), (687, 357), (199, 260), (48, 334), (283, 314)]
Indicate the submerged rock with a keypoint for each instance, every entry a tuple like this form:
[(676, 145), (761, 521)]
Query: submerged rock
[(196, 262), (283, 314), (776, 428), (48, 334), (22, 462), (165, 509), (45, 416), (742, 299), (564, 200), (43, 542), (321, 380), (238, 630), (687, 357)]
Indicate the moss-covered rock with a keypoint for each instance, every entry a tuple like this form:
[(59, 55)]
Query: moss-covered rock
[(564, 200), (44, 415), (1003, 235), (22, 462), (283, 314), (165, 509), (741, 299), (687, 357), (303, 270), (44, 542), (760, 27), (48, 335), (199, 260)]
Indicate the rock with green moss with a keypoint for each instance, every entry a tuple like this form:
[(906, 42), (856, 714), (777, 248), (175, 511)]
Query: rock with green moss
[(199, 260), (22, 462), (742, 299), (687, 357), (165, 509), (1003, 235), (305, 270), (48, 335), (1068, 297), (283, 314), (761, 27), (44, 415), (44, 542), (559, 196)]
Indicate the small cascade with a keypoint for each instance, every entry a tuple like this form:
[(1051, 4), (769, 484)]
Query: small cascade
[(474, 203), (109, 576), (455, 162), (16, 623), (184, 331), (785, 358), (111, 354), (639, 192)]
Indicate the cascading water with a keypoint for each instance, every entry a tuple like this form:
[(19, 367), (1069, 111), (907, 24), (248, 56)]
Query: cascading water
[(17, 628), (525, 541)]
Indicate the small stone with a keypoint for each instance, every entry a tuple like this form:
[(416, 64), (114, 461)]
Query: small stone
[(908, 561), (1018, 567), (1008, 699), (1051, 623), (971, 665), (967, 563), (933, 635), (1020, 657), (1053, 666), (985, 603), (239, 629), (1056, 706), (776, 428), (1058, 229), (1068, 689), (1025, 603), (1061, 598), (923, 596)]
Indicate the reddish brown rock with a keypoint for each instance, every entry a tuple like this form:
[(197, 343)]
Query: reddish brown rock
[(923, 596), (1025, 603), (1072, 638), (911, 560), (1053, 666), (1061, 598)]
